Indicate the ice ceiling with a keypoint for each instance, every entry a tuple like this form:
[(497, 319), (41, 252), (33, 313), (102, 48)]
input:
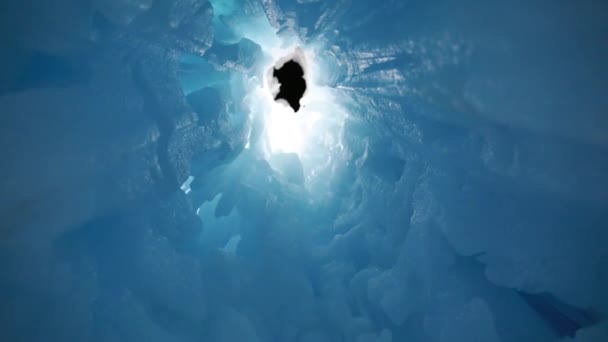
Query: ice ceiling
[(445, 178)]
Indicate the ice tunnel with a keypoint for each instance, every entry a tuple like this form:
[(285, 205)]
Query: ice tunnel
[(304, 171)]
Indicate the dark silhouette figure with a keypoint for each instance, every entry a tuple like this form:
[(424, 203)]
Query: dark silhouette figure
[(293, 85)]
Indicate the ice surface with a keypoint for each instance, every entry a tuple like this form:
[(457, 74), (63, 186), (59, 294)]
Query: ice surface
[(595, 333), (445, 179), (231, 325)]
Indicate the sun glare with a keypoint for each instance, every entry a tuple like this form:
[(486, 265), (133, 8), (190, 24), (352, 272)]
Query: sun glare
[(315, 129)]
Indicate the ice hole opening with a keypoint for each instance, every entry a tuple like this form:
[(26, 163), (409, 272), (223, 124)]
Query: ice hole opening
[(289, 80)]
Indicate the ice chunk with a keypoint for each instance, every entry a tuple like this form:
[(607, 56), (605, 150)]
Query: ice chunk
[(397, 296), (241, 56), (232, 244), (208, 105), (289, 165), (185, 187), (471, 322)]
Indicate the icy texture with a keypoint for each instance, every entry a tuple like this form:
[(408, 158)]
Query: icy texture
[(446, 179)]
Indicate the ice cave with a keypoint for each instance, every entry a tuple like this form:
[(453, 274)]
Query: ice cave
[(304, 171)]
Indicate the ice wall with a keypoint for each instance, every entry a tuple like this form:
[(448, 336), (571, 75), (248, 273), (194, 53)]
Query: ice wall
[(451, 187)]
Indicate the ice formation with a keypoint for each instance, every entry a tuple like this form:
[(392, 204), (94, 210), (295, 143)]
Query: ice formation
[(445, 178)]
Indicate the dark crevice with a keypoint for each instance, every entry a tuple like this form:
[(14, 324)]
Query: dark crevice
[(293, 85), (563, 318)]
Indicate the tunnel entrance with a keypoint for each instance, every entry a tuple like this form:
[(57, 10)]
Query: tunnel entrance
[(292, 83)]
